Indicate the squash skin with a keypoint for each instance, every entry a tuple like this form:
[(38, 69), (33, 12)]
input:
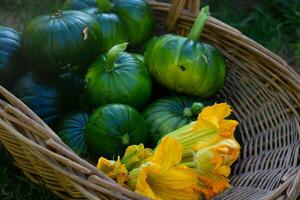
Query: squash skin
[(10, 65), (112, 28), (138, 18), (128, 82), (49, 99), (127, 21), (113, 127), (192, 67), (71, 131), (167, 114), (79, 4), (61, 42)]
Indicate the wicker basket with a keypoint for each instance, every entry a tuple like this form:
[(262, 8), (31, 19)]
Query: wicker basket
[(263, 90)]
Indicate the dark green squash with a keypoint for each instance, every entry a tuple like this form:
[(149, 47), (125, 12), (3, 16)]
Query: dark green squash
[(79, 4), (170, 113), (113, 127), (74, 82), (123, 21), (55, 44), (49, 99), (10, 66), (117, 77), (185, 65), (71, 131), (112, 28)]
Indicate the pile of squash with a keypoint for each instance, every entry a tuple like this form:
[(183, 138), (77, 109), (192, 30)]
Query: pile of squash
[(97, 75)]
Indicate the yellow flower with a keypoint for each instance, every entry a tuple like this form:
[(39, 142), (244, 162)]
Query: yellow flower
[(163, 178), (214, 116), (210, 128), (114, 169), (135, 155), (213, 165)]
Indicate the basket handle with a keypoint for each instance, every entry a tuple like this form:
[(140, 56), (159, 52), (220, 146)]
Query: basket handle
[(176, 8)]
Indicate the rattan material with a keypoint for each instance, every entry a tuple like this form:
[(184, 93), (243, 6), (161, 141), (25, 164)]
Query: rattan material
[(263, 90)]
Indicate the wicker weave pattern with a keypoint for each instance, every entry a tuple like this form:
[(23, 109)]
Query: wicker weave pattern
[(263, 90)]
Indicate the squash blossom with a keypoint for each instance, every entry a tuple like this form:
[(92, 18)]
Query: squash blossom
[(135, 155), (210, 128), (114, 169), (162, 177), (213, 166)]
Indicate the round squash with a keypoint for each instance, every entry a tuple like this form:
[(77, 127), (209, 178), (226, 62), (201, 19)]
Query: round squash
[(123, 21), (113, 127), (185, 65), (10, 67), (71, 131), (117, 77), (170, 113), (112, 28), (79, 4), (55, 44), (48, 99)]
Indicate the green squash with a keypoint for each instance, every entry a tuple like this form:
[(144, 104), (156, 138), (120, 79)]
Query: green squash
[(55, 44), (185, 65), (170, 113), (112, 28), (71, 131), (79, 4), (49, 99), (10, 66), (113, 127), (123, 21), (117, 77)]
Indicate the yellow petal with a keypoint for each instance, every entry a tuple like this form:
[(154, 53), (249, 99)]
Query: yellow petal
[(120, 172), (141, 185), (114, 169), (210, 128), (135, 155), (213, 184), (177, 183), (214, 116), (213, 157), (220, 111), (213, 165), (223, 170), (104, 165), (227, 128), (162, 177), (168, 153)]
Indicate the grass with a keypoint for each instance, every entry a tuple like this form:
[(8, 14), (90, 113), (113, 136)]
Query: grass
[(273, 23), (17, 13), (14, 186)]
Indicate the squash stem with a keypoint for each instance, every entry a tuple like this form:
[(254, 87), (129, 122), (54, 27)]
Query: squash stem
[(189, 164), (58, 13), (104, 5), (196, 108), (125, 139), (187, 112), (199, 24), (113, 54)]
